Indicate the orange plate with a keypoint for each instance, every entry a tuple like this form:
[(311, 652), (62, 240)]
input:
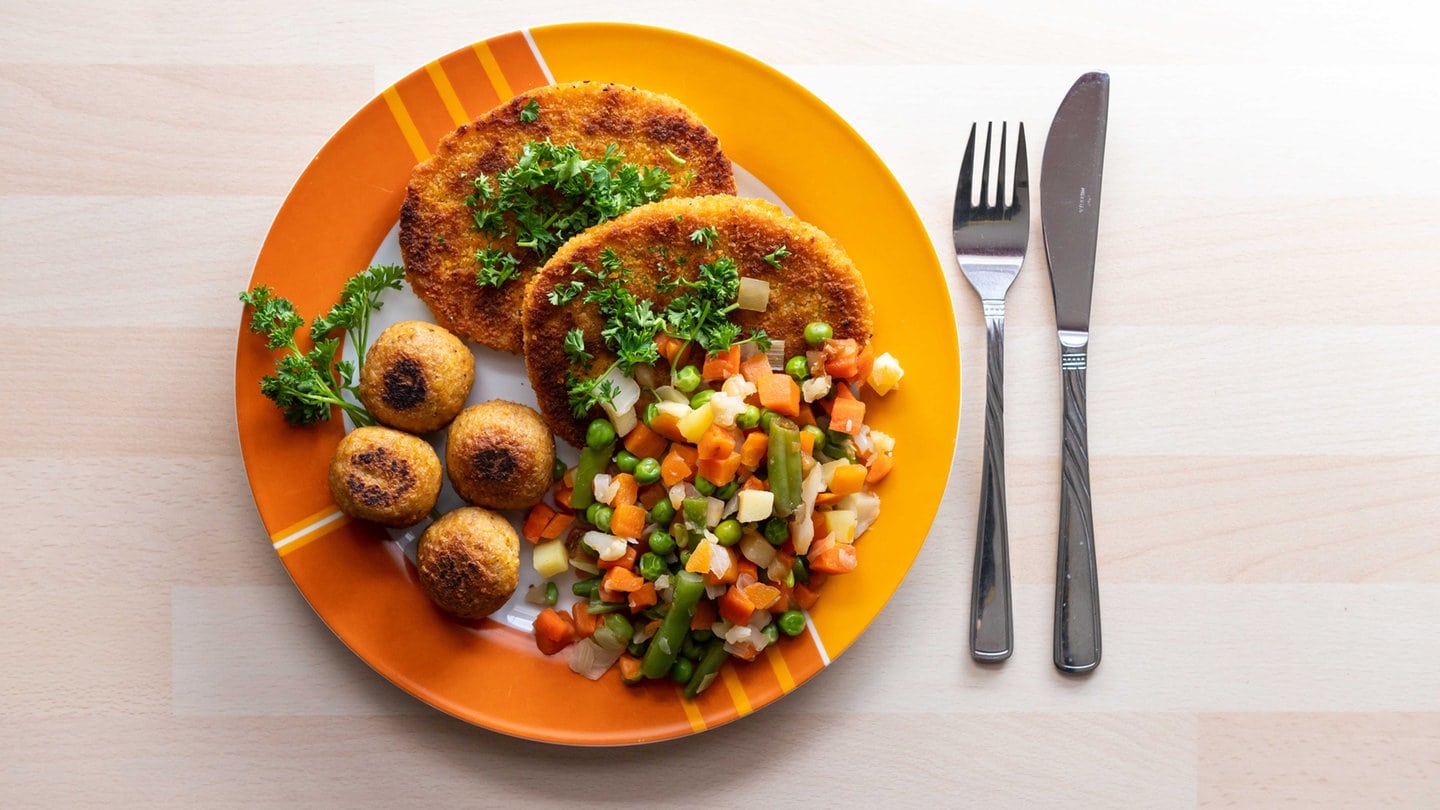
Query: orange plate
[(344, 207)]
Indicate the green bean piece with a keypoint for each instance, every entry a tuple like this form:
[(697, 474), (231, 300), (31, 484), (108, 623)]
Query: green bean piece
[(597, 608), (696, 510), (662, 512), (661, 544), (592, 462), (651, 566), (704, 486), (817, 332), (784, 465), (681, 671), (670, 638), (707, 669), (585, 588), (687, 379), (626, 461), (614, 633), (792, 622), (637, 649), (600, 434), (801, 570), (647, 471), (728, 532), (552, 594)]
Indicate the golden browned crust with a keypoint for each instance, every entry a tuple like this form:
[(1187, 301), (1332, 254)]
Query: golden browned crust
[(816, 282), (437, 234), (385, 476), (416, 377), (500, 454), (469, 562)]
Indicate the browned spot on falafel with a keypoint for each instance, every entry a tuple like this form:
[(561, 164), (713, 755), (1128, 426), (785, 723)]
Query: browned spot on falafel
[(404, 385)]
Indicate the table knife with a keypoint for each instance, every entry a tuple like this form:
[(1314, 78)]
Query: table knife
[(1070, 213)]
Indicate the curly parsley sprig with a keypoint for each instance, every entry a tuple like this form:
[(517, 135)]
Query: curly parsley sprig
[(308, 385)]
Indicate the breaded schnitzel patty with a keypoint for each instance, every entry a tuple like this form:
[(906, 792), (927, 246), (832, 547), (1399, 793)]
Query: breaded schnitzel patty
[(441, 220), (812, 279)]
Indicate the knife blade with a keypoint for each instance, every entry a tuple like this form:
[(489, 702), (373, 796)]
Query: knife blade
[(1070, 221)]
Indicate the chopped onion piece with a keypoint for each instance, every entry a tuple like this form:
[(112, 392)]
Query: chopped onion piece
[(609, 547), (776, 353), (754, 294), (591, 660), (884, 442), (757, 549), (624, 421), (717, 590), (803, 523), (815, 388), (681, 491), (720, 561), (535, 594), (666, 393), (604, 487), (645, 375), (865, 505), (731, 506), (714, 511), (738, 634), (627, 390)]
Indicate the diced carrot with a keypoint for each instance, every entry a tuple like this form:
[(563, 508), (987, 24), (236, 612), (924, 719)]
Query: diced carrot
[(779, 393), (879, 467), (755, 367), (720, 471), (722, 365), (668, 426), (717, 442), (782, 602), (864, 362), (840, 357), (643, 597), (650, 494), (629, 668), (585, 621), (754, 482), (687, 452), (807, 416), (827, 499), (735, 607), (838, 559), (804, 596), (536, 521), (562, 494), (817, 579), (626, 561), (644, 442), (668, 346), (607, 595), (762, 596), (704, 615), (628, 521), (569, 477), (745, 651), (699, 562), (554, 631), (847, 416), (626, 490), (747, 573), (621, 580), (848, 478), (557, 525), (843, 392), (807, 443), (752, 451), (822, 540), (673, 468)]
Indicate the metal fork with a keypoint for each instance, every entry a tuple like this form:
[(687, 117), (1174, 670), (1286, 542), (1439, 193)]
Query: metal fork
[(990, 241)]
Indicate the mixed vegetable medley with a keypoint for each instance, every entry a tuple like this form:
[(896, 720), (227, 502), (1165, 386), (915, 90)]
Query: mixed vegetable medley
[(706, 513)]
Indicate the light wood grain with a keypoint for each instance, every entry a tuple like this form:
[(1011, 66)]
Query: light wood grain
[(1264, 431)]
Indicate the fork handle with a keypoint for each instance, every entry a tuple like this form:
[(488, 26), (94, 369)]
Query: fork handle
[(1077, 595), (991, 623)]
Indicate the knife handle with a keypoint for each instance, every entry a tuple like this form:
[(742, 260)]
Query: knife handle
[(1077, 595), (991, 623)]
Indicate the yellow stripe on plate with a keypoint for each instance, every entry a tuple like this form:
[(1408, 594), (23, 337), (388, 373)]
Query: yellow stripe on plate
[(692, 712), (782, 669), (492, 70), (737, 691), (447, 93), (407, 125)]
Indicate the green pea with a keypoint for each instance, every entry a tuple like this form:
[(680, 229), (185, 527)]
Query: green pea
[(701, 397), (662, 512), (792, 622), (797, 367), (684, 557), (687, 379), (728, 532), (801, 570), (652, 410), (771, 633), (704, 486), (681, 670), (662, 543), (552, 594), (817, 332), (777, 531), (647, 471), (585, 588), (558, 471), (691, 649), (728, 491), (748, 418), (590, 512), (702, 635), (599, 434), (766, 417), (626, 461), (817, 433), (651, 566), (602, 517)]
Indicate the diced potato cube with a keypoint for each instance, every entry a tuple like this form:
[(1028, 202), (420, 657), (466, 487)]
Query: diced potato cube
[(841, 523), (549, 558), (755, 504), (885, 374), (694, 424)]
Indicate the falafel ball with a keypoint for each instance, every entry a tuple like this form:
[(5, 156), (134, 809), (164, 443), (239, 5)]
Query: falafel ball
[(469, 562), (416, 377), (500, 455), (385, 476)]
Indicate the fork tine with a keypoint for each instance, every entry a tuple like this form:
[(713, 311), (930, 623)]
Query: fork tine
[(985, 170), (1000, 177), (967, 170), (1022, 174)]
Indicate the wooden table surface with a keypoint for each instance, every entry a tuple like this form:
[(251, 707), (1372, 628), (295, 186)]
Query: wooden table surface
[(1265, 421)]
